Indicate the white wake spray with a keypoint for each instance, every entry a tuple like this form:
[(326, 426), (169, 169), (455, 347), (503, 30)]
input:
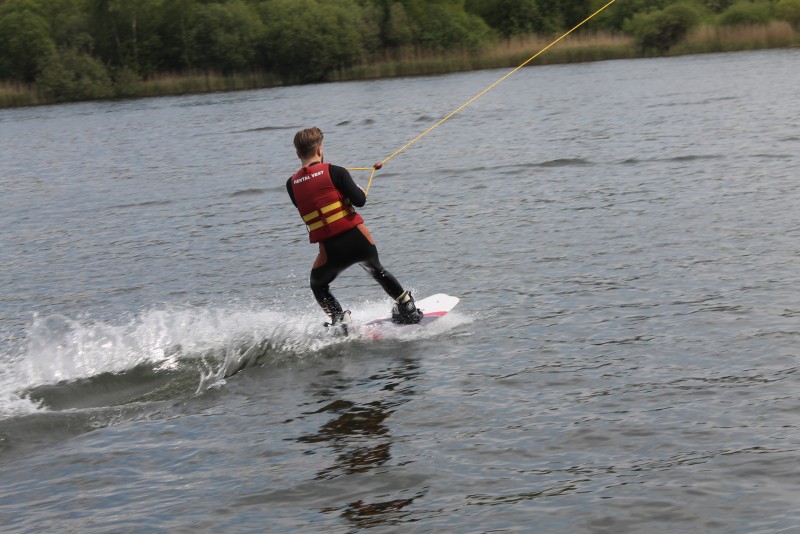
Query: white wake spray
[(216, 343)]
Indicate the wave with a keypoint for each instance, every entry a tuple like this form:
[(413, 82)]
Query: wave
[(694, 103), (69, 364), (253, 191), (682, 158), (266, 129), (147, 204), (560, 162), (73, 376), (564, 162)]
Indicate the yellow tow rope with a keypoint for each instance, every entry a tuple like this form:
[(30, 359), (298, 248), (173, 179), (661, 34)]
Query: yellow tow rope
[(380, 164)]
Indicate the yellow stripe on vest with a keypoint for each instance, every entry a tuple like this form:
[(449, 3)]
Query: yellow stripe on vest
[(330, 207), (317, 214), (322, 211)]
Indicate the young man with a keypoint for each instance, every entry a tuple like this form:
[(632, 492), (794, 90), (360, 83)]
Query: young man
[(324, 195)]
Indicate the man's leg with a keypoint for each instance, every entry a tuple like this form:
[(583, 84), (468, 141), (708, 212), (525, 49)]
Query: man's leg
[(322, 275), (367, 253), (386, 279), (405, 311)]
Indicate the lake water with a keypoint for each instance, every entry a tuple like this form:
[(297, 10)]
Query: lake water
[(624, 237)]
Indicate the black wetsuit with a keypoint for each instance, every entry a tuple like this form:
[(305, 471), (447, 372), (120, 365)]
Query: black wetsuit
[(348, 248)]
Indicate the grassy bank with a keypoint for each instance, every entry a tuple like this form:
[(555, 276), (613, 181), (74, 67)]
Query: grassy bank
[(509, 53), (202, 82), (711, 39), (574, 49), (18, 94)]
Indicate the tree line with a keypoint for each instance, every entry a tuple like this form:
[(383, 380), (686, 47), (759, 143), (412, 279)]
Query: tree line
[(93, 48)]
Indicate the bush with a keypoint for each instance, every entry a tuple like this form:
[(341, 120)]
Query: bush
[(25, 44), (509, 17), (126, 82), (660, 30), (68, 75), (445, 27), (789, 10), (397, 30), (225, 36), (615, 17), (307, 52), (746, 14)]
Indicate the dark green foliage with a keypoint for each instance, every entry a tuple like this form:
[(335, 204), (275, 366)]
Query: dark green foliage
[(25, 40), (660, 30), (94, 43), (616, 16), (68, 23), (444, 27), (177, 33), (305, 47), (69, 75), (224, 36), (717, 6), (575, 11), (509, 17), (744, 13), (398, 30), (789, 10)]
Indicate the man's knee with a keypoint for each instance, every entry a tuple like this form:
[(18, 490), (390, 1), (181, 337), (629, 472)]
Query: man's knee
[(317, 284)]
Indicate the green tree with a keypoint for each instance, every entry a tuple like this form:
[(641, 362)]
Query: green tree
[(660, 30), (370, 22), (398, 31), (575, 11), (616, 16), (305, 40), (25, 41), (717, 6), (746, 13), (125, 32), (224, 36), (176, 35), (69, 75), (509, 17), (68, 21), (789, 10), (446, 26)]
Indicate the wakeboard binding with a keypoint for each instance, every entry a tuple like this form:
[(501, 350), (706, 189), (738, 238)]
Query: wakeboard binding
[(405, 311), (339, 325)]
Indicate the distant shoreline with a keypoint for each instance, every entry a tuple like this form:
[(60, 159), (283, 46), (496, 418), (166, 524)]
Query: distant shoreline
[(506, 54)]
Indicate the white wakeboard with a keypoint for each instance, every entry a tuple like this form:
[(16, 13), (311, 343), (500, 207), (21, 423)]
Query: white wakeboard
[(433, 308)]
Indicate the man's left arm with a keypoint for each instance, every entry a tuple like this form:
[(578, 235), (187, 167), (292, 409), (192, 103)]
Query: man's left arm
[(344, 182)]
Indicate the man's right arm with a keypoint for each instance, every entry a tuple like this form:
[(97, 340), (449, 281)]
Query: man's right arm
[(291, 193)]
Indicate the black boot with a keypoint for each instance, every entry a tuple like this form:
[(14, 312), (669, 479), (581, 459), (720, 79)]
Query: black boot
[(405, 311)]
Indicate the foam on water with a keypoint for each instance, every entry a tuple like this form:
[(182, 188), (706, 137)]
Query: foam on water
[(224, 340)]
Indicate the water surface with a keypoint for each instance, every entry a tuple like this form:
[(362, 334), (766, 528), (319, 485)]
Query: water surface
[(623, 236)]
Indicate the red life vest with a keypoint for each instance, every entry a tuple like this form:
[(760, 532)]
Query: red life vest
[(323, 208)]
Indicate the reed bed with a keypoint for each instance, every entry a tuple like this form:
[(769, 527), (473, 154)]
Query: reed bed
[(578, 47), (505, 53), (710, 39), (203, 82), (14, 94)]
